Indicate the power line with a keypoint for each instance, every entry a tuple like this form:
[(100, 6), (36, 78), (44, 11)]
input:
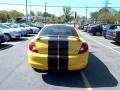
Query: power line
[(60, 6)]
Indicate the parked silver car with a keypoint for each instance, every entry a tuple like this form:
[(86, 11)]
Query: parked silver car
[(10, 33), (23, 31), (35, 30)]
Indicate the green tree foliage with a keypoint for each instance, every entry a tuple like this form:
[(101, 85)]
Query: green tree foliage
[(117, 17), (4, 16), (14, 14), (32, 13), (39, 13), (67, 13), (94, 16), (105, 15), (46, 14)]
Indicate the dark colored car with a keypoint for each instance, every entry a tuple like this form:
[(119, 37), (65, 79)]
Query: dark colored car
[(108, 27), (114, 33), (89, 27), (96, 29), (81, 27), (85, 27)]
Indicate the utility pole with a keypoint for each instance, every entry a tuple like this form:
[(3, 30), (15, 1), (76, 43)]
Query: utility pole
[(75, 16), (86, 12), (26, 13), (30, 16), (106, 3), (45, 11)]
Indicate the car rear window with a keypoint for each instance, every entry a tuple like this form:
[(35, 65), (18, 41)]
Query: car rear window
[(115, 27), (58, 30)]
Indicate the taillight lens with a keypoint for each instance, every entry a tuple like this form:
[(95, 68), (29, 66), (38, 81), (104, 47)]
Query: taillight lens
[(114, 34), (83, 48), (32, 47)]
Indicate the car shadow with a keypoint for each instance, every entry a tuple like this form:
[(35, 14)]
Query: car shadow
[(116, 43), (97, 73), (5, 46), (18, 39), (29, 35)]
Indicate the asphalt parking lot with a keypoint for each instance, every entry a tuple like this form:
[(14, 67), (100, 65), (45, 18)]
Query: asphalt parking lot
[(101, 73)]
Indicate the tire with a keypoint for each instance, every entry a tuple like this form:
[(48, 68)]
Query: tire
[(8, 37), (98, 34), (39, 70), (91, 34), (105, 37)]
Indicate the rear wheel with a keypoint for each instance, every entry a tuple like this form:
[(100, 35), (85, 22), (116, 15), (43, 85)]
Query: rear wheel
[(39, 70), (91, 34), (98, 34), (7, 36)]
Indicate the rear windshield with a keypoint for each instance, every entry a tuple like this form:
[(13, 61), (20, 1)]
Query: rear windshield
[(115, 27), (58, 30)]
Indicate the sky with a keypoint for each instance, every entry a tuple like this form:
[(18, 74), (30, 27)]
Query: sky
[(57, 10)]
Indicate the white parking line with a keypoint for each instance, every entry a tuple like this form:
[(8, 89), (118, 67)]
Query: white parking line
[(104, 45), (13, 43), (115, 47), (101, 44), (86, 82)]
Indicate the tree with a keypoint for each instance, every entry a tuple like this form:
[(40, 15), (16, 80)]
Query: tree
[(104, 15), (32, 13), (116, 17), (15, 14), (46, 14), (4, 16), (39, 13), (67, 13), (94, 16)]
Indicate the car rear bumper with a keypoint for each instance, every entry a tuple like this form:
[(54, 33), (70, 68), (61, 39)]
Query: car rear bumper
[(117, 39), (40, 61), (36, 31)]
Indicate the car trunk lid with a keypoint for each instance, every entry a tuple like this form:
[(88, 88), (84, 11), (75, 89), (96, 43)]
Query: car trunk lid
[(62, 45)]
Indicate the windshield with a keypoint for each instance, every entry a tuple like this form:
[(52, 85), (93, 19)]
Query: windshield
[(58, 30)]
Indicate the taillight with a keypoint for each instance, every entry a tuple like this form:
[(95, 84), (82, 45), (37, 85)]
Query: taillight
[(32, 47), (83, 48), (114, 34)]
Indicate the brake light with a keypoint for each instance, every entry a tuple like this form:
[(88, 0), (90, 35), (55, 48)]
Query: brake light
[(83, 48), (32, 47), (114, 34)]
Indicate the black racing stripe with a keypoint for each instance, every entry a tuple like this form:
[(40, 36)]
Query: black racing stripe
[(63, 54), (52, 53)]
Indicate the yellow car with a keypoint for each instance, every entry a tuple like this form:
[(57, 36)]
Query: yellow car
[(58, 48)]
